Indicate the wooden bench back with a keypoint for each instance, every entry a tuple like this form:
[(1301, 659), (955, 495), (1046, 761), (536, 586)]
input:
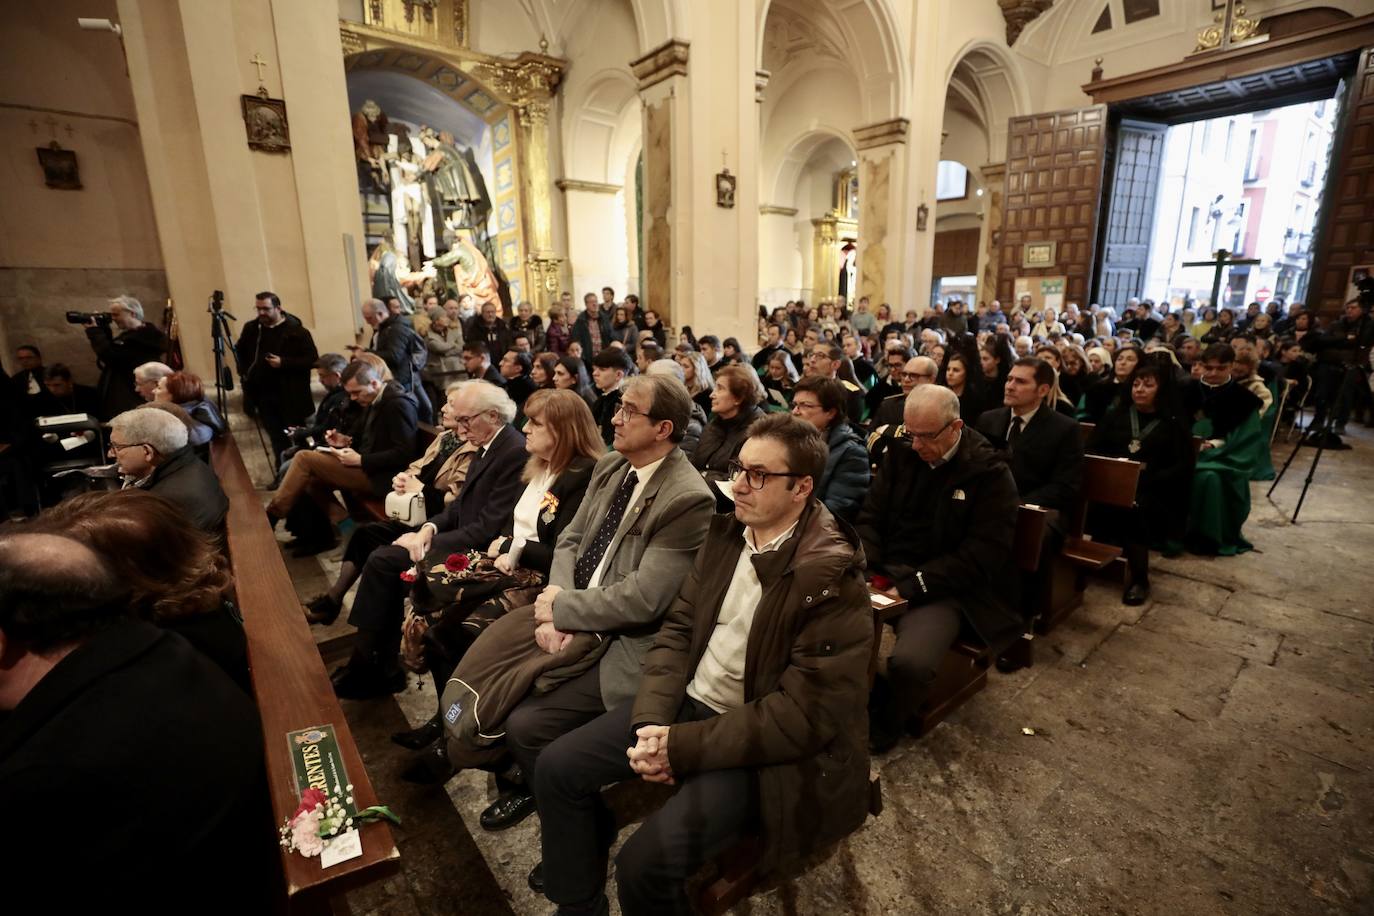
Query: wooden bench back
[(1085, 431), (292, 688), (1110, 481), (1031, 523)]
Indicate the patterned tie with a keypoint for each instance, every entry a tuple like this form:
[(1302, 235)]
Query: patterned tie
[(1014, 434), (591, 558)]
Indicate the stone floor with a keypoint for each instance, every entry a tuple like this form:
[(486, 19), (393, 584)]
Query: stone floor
[(1208, 752)]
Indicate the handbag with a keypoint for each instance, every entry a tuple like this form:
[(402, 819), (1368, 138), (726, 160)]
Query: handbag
[(406, 508)]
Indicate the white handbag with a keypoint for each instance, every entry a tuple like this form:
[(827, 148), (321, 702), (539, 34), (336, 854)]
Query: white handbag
[(406, 508)]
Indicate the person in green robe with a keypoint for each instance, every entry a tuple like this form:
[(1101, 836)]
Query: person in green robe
[(1227, 420)]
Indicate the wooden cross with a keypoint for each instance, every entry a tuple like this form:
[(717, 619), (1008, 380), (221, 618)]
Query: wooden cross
[(1221, 261), (257, 61)]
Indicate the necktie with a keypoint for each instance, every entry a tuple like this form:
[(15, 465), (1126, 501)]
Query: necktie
[(1014, 433), (591, 557)]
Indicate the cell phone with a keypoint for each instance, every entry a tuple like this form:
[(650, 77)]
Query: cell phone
[(325, 448)]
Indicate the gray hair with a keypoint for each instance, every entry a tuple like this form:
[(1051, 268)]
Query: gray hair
[(667, 367), (376, 305), (487, 396), (437, 312), (151, 372), (130, 305), (934, 396), (332, 362), (668, 400), (157, 428)]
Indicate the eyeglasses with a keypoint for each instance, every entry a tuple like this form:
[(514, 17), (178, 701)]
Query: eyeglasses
[(464, 421), (915, 376), (805, 405), (757, 479), (912, 436), (628, 412), (117, 446)]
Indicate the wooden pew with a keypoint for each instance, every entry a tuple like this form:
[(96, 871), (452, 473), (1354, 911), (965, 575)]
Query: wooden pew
[(292, 689), (1108, 482)]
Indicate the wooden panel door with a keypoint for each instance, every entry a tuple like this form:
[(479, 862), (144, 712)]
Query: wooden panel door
[(1346, 238), (1130, 220), (1053, 189)]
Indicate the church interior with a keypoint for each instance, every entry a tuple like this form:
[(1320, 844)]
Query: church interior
[(1081, 185)]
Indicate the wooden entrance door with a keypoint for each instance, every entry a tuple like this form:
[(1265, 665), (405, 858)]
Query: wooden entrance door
[(1347, 233), (1053, 188), (1135, 173)]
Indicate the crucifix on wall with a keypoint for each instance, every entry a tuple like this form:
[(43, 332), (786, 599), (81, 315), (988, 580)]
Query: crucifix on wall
[(1222, 261)]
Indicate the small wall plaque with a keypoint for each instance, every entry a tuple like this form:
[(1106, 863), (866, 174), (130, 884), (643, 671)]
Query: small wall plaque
[(265, 121), (59, 167)]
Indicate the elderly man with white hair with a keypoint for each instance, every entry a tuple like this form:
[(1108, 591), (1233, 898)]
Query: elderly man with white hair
[(937, 528), (147, 376), (151, 448), (137, 343)]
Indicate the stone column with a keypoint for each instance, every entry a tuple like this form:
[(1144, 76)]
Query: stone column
[(230, 217), (884, 223), (701, 258), (994, 176)]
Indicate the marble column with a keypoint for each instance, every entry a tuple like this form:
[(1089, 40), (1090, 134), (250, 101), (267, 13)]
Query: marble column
[(230, 217), (885, 225), (994, 176)]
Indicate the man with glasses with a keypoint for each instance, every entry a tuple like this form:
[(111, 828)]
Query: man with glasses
[(776, 744), (364, 463), (937, 528), (919, 370), (825, 361), (895, 355), (470, 522), (151, 448), (616, 568)]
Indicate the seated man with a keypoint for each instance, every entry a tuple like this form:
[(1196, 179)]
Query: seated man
[(515, 369), (919, 370), (483, 413), (1045, 446), (336, 411), (782, 737), (363, 463), (1227, 418), (79, 674), (825, 360), (616, 568), (477, 362), (937, 529), (152, 449), (64, 396)]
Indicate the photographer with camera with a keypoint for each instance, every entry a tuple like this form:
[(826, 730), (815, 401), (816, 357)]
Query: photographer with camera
[(138, 342), (1342, 353)]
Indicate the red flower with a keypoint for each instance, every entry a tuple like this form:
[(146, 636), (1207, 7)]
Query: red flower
[(457, 562), (408, 576), (309, 799)]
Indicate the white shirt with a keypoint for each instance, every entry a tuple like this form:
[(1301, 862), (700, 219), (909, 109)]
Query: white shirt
[(524, 528), (719, 678), (645, 474)]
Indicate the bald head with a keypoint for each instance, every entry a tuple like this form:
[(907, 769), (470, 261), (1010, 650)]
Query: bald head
[(931, 418), (53, 591), (919, 370)]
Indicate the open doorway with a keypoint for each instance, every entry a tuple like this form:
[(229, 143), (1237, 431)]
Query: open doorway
[(1250, 184)]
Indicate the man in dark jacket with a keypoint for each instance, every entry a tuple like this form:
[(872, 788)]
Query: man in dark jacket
[(336, 411), (937, 529), (78, 675), (396, 342), (780, 584), (151, 450), (592, 328), (137, 343), (488, 328), (363, 462), (1045, 447), (276, 354), (515, 369), (470, 522), (609, 368)]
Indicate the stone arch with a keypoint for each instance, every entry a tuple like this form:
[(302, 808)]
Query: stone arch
[(797, 152), (990, 80), (592, 122)]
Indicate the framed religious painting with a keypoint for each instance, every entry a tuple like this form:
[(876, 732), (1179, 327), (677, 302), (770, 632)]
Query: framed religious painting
[(265, 121), (59, 167), (1037, 254)]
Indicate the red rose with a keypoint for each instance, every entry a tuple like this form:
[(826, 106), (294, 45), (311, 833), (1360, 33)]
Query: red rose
[(457, 562), (309, 799), (408, 576)]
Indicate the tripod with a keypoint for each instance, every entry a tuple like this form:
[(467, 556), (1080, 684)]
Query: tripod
[(1323, 436), (222, 341)]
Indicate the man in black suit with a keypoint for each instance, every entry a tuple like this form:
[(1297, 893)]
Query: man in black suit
[(515, 369), (470, 522), (477, 362), (92, 698), (1045, 447)]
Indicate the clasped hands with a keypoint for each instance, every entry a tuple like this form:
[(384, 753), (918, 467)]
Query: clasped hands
[(548, 637), (649, 756)]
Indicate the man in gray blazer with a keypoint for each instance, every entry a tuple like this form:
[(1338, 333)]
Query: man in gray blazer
[(616, 568)]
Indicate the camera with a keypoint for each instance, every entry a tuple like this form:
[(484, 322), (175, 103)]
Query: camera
[(83, 317)]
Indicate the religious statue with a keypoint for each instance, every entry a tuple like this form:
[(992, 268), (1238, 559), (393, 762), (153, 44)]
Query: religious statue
[(371, 137), (454, 177), (472, 274), (848, 268), (414, 224), (383, 266)]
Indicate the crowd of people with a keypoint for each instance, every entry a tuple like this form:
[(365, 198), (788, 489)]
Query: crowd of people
[(628, 556)]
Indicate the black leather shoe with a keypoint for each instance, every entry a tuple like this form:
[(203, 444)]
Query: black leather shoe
[(353, 682), (1136, 594), (422, 737), (507, 811), (536, 878), (430, 768), (323, 610)]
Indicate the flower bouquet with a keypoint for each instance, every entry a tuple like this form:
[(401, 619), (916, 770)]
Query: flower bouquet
[(322, 816)]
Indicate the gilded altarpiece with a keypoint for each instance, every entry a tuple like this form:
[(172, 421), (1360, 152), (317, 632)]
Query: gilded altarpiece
[(509, 97)]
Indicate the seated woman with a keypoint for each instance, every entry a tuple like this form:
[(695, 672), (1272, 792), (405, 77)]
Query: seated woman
[(1073, 377), (734, 406), (820, 401), (778, 379), (177, 577), (1100, 396), (437, 475), (696, 375), (967, 383), (542, 369), (570, 374), (564, 444), (186, 391), (1147, 425)]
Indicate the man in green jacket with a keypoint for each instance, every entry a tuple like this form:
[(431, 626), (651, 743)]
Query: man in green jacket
[(752, 699)]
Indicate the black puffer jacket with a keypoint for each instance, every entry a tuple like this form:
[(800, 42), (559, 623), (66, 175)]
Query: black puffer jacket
[(721, 441)]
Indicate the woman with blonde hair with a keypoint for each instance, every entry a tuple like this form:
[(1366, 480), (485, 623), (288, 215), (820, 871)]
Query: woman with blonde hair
[(696, 375), (463, 597)]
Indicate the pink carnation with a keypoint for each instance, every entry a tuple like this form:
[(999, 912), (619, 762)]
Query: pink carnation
[(310, 798), (305, 834), (408, 576)]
